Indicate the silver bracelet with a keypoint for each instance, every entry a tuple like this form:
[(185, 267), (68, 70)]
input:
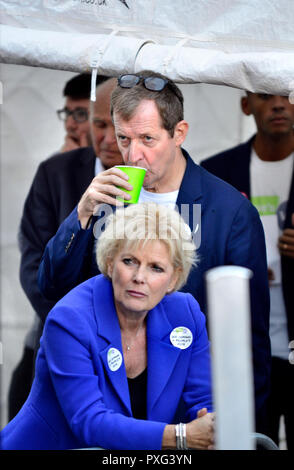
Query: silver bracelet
[(178, 442), (184, 433), (181, 437)]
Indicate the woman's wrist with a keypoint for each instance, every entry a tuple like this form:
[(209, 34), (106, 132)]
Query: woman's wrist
[(169, 437), (188, 436)]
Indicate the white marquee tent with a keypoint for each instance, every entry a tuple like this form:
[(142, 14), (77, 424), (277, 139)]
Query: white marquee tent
[(246, 44), (234, 44)]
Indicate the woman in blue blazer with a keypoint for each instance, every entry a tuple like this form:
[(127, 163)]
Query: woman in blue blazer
[(120, 351)]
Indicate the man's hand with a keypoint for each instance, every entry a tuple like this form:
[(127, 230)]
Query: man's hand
[(103, 190), (286, 241), (73, 143)]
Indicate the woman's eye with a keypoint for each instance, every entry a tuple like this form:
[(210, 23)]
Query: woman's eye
[(156, 268), (128, 261)]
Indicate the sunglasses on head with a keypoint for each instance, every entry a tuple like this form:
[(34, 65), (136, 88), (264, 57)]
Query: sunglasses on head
[(151, 83)]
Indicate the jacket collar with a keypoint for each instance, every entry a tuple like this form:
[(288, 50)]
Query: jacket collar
[(159, 349), (86, 167), (191, 186), (190, 200), (240, 168), (87, 157)]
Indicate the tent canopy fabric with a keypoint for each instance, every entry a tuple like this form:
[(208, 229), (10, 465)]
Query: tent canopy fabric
[(245, 44)]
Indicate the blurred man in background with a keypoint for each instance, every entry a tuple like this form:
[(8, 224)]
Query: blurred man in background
[(262, 169), (75, 112)]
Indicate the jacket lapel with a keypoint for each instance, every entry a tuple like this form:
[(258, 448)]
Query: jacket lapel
[(190, 195), (162, 355), (290, 205), (86, 169), (108, 329), (240, 168)]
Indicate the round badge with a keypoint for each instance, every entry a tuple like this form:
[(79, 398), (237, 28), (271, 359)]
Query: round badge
[(114, 359), (181, 337)]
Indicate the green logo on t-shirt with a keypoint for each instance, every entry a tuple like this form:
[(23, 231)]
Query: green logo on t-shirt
[(266, 205)]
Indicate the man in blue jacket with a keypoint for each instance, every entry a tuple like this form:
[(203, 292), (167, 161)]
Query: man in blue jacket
[(147, 112), (262, 168)]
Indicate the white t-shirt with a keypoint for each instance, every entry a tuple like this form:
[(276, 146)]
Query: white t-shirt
[(270, 187), (169, 199), (98, 166)]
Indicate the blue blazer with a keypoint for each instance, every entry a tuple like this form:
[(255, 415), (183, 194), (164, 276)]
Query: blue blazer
[(231, 234), (80, 396)]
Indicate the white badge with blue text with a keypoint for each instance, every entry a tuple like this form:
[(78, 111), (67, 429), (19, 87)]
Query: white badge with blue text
[(181, 337), (114, 359)]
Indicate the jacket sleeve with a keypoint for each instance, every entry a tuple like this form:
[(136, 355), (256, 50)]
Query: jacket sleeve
[(38, 224), (63, 264), (67, 346), (246, 247)]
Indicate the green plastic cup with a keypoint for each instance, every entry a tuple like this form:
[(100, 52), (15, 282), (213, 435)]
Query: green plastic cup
[(136, 177)]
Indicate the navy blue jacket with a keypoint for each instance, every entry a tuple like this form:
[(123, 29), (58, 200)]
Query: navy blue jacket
[(231, 234), (233, 166), (56, 189)]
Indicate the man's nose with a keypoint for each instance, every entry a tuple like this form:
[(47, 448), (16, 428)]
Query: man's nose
[(70, 123), (278, 102), (134, 153)]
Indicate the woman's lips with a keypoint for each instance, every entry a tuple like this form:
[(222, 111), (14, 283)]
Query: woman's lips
[(136, 294)]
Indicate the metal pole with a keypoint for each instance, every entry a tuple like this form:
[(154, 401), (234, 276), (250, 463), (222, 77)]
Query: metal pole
[(230, 334)]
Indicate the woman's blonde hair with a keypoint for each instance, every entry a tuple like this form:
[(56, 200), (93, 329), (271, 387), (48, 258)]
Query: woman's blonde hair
[(143, 223)]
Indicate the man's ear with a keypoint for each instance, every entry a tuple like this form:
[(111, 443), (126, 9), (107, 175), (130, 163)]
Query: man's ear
[(180, 132), (245, 105)]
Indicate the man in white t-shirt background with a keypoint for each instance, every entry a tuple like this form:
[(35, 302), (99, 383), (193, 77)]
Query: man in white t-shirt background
[(262, 169)]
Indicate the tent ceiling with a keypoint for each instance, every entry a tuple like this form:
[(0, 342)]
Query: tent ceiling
[(246, 44)]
